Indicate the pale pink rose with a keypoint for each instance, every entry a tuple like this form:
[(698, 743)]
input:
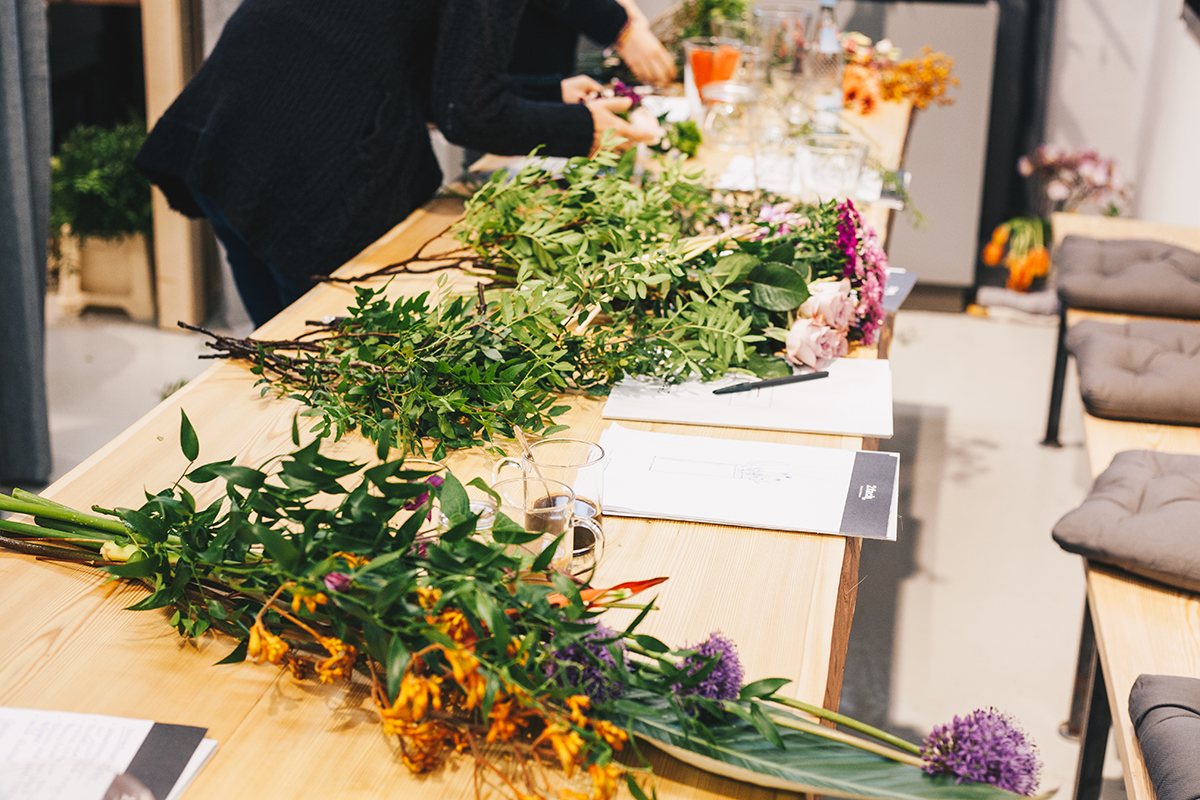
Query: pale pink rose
[(809, 343), (831, 303), (1025, 166), (1057, 191)]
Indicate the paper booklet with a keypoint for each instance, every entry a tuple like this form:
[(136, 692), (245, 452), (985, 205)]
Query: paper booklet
[(751, 484), (55, 755), (855, 400)]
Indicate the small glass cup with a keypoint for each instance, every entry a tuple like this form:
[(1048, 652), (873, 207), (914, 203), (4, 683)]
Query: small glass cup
[(830, 165), (729, 114), (774, 152), (547, 507), (580, 465), (708, 59)]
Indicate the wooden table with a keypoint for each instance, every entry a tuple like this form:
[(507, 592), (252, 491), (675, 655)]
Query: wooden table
[(787, 599)]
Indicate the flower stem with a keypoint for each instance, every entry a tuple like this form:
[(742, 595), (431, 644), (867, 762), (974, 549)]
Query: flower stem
[(845, 738), (843, 720), (26, 503)]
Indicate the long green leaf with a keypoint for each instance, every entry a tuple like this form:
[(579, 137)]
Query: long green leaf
[(807, 764)]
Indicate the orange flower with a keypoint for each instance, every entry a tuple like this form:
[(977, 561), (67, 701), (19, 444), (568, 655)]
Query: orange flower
[(1039, 261), (861, 88), (265, 646), (465, 667), (578, 703), (352, 560), (604, 780), (1001, 233), (566, 744), (616, 737), (340, 662), (310, 601), (992, 253)]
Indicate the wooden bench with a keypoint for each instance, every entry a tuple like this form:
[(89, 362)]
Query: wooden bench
[(1131, 625), (1100, 228)]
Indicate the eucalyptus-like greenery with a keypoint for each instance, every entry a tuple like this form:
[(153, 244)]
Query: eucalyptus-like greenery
[(590, 276), (468, 637)]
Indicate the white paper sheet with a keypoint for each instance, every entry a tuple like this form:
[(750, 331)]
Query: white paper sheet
[(855, 400), (750, 484), (60, 755)]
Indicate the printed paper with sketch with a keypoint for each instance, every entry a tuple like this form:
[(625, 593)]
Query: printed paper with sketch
[(751, 484)]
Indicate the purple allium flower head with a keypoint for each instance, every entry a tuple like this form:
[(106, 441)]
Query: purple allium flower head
[(985, 746), (337, 581), (574, 669), (725, 680)]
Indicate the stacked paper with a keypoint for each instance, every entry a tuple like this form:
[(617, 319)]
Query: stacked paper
[(750, 484)]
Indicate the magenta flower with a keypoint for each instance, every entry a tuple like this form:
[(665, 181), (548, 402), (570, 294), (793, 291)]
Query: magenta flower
[(412, 505), (985, 746), (337, 581)]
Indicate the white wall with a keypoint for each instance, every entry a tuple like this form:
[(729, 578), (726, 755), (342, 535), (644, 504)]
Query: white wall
[(1125, 80)]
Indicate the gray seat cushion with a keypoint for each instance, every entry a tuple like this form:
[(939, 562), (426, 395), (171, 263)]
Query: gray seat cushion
[(1166, 715), (1143, 515), (1147, 371), (1130, 276)]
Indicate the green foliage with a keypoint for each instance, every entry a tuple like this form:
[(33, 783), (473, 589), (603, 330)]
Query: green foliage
[(94, 186), (704, 12)]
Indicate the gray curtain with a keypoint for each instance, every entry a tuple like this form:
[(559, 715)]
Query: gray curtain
[(24, 213)]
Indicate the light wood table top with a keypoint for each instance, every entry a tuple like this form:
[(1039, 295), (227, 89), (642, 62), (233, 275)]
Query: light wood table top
[(787, 599)]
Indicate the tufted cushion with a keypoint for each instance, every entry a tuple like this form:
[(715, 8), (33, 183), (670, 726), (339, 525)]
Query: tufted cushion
[(1143, 515), (1166, 715), (1146, 371), (1130, 276)]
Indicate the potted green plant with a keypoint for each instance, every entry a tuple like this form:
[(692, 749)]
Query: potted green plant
[(100, 220)]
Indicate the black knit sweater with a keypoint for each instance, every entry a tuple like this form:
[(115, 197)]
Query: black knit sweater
[(307, 124)]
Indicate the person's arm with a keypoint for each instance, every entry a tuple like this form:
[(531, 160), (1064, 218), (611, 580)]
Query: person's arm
[(472, 102)]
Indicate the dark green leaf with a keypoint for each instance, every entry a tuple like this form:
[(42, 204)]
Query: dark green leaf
[(397, 662), (189, 443), (238, 655)]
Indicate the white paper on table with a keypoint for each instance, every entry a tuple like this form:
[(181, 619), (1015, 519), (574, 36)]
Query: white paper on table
[(676, 108), (61, 755), (855, 400), (751, 484)]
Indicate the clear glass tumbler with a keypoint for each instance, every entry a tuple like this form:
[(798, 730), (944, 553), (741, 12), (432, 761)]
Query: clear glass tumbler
[(830, 165)]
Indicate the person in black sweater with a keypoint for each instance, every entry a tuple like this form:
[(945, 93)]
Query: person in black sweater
[(304, 137), (547, 39)]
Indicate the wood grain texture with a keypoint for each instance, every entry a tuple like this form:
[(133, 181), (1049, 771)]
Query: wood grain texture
[(1120, 228), (1141, 626), (786, 598)]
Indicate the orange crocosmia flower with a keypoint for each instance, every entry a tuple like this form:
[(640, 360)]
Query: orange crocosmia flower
[(428, 597), (616, 737), (566, 743), (352, 560), (310, 601), (604, 780), (578, 703), (340, 662), (265, 646)]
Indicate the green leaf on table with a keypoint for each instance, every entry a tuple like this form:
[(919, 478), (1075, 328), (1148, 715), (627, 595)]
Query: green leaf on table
[(238, 655), (777, 287), (763, 688), (189, 443), (397, 662), (809, 763), (735, 267), (767, 366)]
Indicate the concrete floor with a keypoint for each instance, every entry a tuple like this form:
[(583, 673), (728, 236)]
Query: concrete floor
[(974, 606)]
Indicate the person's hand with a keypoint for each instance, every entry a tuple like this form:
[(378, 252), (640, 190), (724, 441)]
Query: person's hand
[(604, 118), (642, 51), (645, 55), (579, 88)]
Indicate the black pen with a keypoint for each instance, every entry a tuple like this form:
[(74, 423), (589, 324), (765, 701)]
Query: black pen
[(745, 387)]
